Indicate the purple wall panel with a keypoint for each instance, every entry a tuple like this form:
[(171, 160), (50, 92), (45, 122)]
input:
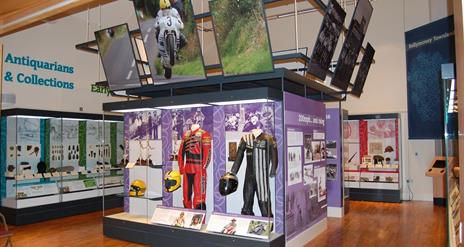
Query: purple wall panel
[(333, 134), (305, 193)]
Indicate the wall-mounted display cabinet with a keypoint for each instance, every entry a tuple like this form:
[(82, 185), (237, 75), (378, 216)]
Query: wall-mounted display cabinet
[(53, 162)]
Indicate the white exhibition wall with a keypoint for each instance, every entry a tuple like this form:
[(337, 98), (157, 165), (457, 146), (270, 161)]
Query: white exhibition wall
[(55, 41), (385, 90)]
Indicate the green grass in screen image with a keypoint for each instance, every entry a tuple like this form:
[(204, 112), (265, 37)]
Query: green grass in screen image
[(242, 36)]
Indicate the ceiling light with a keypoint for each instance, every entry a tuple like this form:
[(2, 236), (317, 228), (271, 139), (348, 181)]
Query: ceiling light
[(181, 106), (133, 110), (247, 101), (34, 117)]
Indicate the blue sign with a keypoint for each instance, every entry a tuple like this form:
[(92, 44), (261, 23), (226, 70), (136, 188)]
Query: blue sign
[(427, 48)]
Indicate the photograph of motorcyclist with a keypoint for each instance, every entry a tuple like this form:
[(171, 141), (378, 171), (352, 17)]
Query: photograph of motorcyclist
[(173, 9), (179, 6), (170, 37)]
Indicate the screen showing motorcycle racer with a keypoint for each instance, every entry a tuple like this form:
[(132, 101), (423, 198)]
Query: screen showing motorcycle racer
[(170, 37), (168, 27)]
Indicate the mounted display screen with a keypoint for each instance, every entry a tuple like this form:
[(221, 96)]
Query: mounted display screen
[(242, 36), (118, 59), (327, 40), (352, 44), (363, 70), (171, 41)]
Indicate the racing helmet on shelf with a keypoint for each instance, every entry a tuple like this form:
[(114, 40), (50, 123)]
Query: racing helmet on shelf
[(137, 188), (165, 4), (228, 184), (172, 181)]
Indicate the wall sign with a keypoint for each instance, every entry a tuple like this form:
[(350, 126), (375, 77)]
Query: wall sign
[(35, 78)]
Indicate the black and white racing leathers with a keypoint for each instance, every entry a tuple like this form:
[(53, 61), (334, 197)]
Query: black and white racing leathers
[(261, 153)]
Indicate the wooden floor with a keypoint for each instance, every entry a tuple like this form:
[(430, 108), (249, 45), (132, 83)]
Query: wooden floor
[(367, 224), (386, 224)]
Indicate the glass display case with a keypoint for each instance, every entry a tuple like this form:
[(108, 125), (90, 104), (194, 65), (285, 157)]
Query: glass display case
[(222, 171), (372, 157), (451, 154), (48, 160)]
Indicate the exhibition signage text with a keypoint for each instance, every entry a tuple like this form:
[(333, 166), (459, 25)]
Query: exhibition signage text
[(34, 78)]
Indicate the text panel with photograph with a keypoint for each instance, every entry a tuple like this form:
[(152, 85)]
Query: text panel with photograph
[(306, 187)]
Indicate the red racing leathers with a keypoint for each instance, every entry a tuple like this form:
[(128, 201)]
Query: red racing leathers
[(193, 159)]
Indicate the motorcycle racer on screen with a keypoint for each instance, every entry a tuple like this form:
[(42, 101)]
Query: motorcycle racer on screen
[(168, 27)]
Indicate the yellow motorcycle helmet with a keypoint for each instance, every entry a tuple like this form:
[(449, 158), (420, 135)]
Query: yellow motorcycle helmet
[(165, 4), (171, 181), (137, 188)]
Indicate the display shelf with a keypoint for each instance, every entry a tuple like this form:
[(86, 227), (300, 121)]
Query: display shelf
[(378, 185), (55, 208), (352, 184), (135, 229)]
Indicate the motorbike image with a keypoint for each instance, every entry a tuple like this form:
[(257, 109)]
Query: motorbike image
[(168, 42)]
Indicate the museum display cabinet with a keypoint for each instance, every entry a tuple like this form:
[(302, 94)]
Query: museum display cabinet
[(184, 153), (451, 154), (53, 164), (372, 157)]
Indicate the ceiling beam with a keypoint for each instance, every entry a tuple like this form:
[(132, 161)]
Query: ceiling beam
[(43, 11)]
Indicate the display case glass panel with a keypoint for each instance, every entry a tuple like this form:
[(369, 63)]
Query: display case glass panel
[(371, 153), (451, 157), (48, 160), (233, 169), (182, 162)]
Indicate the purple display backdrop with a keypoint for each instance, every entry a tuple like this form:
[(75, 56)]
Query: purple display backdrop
[(279, 178), (302, 116), (219, 162), (216, 120), (138, 125), (166, 138), (333, 134)]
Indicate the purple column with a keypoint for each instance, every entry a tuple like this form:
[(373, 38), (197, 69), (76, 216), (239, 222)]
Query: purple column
[(219, 150), (279, 179), (166, 137)]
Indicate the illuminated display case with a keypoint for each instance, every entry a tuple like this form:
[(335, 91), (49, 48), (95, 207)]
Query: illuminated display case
[(57, 160), (279, 164), (372, 157)]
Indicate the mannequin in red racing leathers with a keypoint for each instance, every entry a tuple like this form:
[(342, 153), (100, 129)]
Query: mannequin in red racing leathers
[(193, 159)]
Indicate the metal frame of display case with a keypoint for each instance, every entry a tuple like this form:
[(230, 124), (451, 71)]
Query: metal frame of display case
[(28, 215), (451, 153)]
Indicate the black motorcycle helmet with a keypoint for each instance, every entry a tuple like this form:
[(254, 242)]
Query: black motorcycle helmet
[(228, 184)]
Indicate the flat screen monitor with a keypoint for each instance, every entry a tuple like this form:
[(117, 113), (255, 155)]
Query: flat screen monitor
[(327, 40), (242, 36), (118, 58), (171, 41), (352, 45), (363, 70)]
